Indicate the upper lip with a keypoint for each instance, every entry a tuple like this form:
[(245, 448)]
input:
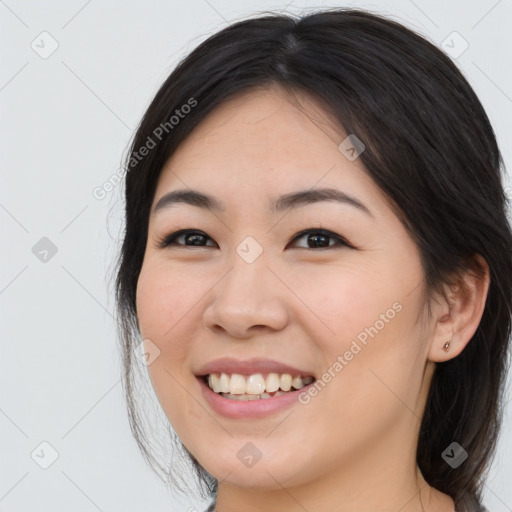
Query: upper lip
[(249, 367)]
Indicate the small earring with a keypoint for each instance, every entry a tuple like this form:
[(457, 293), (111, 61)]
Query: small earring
[(447, 346)]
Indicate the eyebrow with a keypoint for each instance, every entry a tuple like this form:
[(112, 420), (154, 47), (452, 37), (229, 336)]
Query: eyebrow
[(284, 203)]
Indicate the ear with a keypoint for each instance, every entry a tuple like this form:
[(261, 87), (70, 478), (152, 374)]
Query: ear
[(460, 312)]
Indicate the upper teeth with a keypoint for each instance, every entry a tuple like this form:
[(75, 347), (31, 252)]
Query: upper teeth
[(256, 384)]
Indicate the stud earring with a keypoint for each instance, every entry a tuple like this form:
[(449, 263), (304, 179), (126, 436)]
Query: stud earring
[(447, 346)]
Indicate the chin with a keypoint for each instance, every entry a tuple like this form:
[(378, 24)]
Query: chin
[(262, 475)]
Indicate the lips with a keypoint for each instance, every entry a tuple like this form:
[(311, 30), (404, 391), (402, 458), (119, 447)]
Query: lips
[(241, 408), (250, 367)]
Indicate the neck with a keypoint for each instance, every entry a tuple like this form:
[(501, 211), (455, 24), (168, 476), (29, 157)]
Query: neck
[(416, 496)]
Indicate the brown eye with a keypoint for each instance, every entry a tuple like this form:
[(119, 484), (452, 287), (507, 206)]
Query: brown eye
[(320, 239), (190, 238)]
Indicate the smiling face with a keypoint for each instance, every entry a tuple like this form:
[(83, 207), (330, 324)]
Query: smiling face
[(247, 284)]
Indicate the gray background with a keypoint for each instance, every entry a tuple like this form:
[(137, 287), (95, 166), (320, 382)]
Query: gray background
[(66, 119)]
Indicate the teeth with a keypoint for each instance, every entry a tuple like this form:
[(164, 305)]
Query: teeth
[(246, 397), (286, 382), (224, 383), (237, 384), (272, 383), (214, 382), (297, 383), (255, 386)]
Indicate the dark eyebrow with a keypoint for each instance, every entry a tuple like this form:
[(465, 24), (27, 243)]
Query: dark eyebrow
[(283, 203), (316, 195), (192, 197)]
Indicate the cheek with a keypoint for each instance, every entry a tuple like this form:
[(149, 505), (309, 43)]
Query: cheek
[(342, 300), (163, 301), (369, 318), (165, 315), (165, 312)]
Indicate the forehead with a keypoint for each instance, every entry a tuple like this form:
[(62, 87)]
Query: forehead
[(270, 118), (264, 143)]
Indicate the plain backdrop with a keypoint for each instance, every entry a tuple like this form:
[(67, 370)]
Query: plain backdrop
[(75, 79)]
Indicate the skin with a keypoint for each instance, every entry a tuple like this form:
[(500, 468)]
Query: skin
[(352, 447)]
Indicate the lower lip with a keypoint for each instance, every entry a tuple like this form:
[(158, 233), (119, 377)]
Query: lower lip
[(249, 408)]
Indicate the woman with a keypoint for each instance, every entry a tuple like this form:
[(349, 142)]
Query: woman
[(318, 260)]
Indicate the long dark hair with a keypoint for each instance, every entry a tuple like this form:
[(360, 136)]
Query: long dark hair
[(429, 147)]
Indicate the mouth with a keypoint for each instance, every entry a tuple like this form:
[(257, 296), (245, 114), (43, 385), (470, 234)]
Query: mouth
[(258, 386)]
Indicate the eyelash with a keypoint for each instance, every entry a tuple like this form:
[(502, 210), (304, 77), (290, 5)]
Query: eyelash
[(169, 240)]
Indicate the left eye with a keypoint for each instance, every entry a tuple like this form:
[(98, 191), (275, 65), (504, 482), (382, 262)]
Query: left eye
[(318, 239)]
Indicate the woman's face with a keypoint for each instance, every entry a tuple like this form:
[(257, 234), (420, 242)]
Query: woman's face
[(247, 286)]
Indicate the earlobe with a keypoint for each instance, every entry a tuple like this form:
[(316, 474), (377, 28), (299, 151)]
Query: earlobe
[(461, 312)]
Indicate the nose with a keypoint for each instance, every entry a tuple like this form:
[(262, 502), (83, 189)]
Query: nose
[(248, 300)]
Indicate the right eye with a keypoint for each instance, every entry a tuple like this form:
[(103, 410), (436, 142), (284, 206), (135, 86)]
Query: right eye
[(193, 237)]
